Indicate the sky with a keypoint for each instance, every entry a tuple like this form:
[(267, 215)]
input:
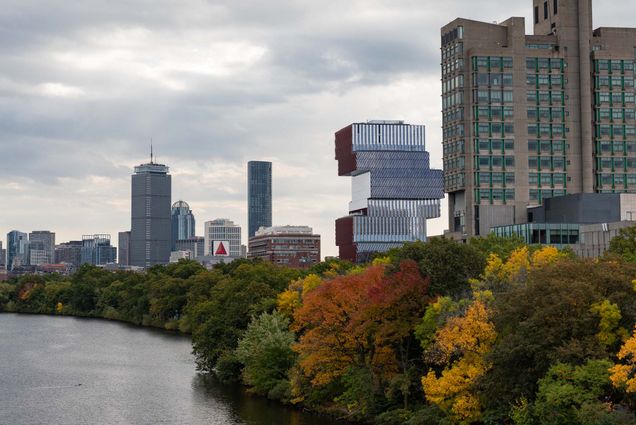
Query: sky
[(86, 84)]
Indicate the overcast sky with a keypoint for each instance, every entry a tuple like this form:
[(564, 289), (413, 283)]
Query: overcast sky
[(85, 84)]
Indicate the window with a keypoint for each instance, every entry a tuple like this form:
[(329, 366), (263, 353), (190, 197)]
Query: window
[(545, 10), (554, 6), (536, 15)]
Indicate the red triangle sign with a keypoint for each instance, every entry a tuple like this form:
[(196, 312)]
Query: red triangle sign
[(221, 249)]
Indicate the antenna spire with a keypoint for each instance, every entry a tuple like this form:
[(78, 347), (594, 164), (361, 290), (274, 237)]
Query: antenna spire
[(151, 150)]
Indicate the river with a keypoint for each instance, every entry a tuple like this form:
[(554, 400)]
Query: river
[(65, 370)]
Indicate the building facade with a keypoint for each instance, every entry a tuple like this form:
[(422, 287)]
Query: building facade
[(123, 248), (394, 191), (42, 240), (182, 223), (69, 253), (530, 117), (222, 230), (17, 249), (3, 257), (292, 246), (97, 250), (195, 244), (150, 222), (259, 196)]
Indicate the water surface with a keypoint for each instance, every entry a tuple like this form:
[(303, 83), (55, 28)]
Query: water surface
[(64, 370)]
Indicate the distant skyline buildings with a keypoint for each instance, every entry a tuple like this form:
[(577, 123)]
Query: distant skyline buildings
[(183, 224), (41, 247), (17, 248), (150, 232), (97, 250), (222, 230), (259, 196)]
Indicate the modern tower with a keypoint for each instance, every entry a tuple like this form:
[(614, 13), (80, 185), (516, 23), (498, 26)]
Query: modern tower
[(183, 223), (123, 248), (96, 250), (259, 196), (17, 249), (530, 117), (150, 223), (393, 190)]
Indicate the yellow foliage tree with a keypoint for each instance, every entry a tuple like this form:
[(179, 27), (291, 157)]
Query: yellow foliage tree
[(610, 315), (291, 299), (623, 374), (468, 337), (519, 263)]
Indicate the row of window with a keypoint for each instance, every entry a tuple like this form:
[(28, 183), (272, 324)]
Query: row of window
[(614, 98), (547, 113), (492, 63), (617, 163), (452, 66), (455, 130), (547, 179), (541, 194), (540, 80), (615, 147), (614, 83), (454, 164), (456, 114), (547, 146), (541, 64), (614, 131), (483, 162), (494, 195), (613, 65), (494, 129), (547, 130), (543, 163), (494, 179), (493, 113), (615, 180), (492, 79), (454, 34), (615, 114), (494, 145), (492, 96), (553, 97)]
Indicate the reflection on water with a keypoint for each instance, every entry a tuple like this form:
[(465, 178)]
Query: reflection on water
[(63, 370)]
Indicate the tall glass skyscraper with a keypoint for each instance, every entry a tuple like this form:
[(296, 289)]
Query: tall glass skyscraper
[(17, 247), (394, 191), (183, 223), (150, 223), (259, 196)]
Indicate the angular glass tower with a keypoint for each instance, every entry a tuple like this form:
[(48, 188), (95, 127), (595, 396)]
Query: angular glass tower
[(150, 221), (259, 196), (17, 246), (183, 223), (394, 191)]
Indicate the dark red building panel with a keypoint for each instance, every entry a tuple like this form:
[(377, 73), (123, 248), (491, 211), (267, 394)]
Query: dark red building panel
[(344, 151), (344, 239)]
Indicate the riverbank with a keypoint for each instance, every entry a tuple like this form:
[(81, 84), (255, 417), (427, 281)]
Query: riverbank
[(433, 333)]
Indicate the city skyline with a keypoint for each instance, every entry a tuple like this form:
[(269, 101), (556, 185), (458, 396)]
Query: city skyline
[(109, 80)]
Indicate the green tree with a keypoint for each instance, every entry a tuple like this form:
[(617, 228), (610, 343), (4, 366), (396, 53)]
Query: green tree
[(499, 245), (624, 244), (266, 354)]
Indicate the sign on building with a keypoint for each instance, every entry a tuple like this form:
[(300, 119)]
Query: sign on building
[(221, 248)]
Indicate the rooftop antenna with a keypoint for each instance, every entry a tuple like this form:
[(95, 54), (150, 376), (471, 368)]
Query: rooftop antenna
[(151, 150)]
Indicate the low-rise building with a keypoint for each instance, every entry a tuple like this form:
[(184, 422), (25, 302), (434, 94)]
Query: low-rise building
[(292, 246)]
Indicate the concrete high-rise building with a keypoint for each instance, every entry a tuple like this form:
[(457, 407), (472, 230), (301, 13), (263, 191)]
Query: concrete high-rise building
[(530, 117), (3, 257), (42, 240), (123, 248), (291, 246), (222, 230), (182, 223), (195, 244), (150, 224), (393, 189), (259, 196), (17, 249), (69, 253), (96, 250)]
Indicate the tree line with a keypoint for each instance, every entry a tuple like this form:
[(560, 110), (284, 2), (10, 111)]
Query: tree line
[(488, 332)]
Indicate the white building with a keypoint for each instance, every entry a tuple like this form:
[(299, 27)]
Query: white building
[(222, 230)]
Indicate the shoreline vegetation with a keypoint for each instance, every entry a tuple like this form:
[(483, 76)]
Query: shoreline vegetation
[(488, 332)]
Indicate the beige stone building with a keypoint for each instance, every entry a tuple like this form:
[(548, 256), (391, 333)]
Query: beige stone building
[(530, 117)]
